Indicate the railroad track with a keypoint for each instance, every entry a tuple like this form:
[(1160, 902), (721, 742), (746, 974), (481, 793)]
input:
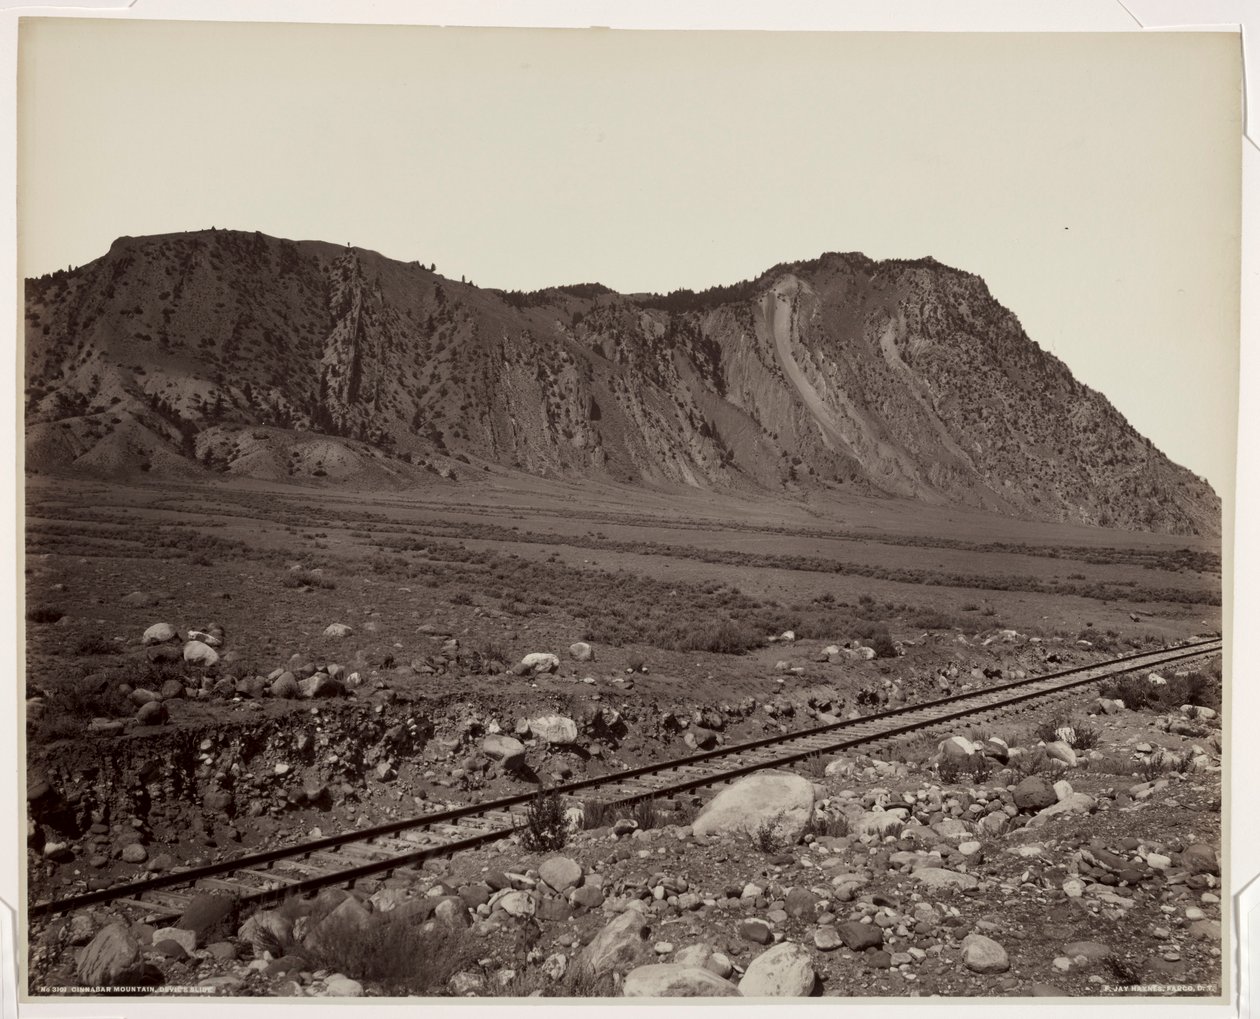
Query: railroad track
[(401, 847)]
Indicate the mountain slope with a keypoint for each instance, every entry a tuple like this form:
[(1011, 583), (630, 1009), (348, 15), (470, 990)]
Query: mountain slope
[(244, 354)]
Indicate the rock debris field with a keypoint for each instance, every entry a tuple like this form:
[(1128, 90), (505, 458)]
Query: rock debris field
[(1070, 851)]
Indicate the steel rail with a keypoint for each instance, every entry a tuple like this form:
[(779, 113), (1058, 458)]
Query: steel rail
[(968, 700)]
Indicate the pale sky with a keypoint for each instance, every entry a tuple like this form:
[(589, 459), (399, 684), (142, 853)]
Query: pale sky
[(1092, 180)]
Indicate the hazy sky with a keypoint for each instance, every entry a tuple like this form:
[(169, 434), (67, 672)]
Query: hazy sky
[(1092, 180)]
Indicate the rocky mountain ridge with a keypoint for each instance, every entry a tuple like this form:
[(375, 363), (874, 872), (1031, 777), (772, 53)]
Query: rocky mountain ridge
[(237, 353)]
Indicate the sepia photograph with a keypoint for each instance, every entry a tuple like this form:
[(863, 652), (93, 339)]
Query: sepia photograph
[(603, 513)]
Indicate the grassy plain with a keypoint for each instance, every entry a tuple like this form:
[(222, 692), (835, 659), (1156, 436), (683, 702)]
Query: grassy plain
[(514, 565)]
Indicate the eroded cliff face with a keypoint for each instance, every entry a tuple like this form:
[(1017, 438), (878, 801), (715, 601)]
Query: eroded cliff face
[(248, 355)]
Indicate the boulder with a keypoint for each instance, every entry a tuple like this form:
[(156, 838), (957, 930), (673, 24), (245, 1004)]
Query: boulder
[(783, 799), (134, 853), (705, 956), (671, 980), (1076, 803), (341, 986), (984, 955), (152, 713), (516, 903), (266, 930), (956, 748), (756, 931), (1060, 751), (160, 633), (286, 685), (997, 749), (110, 957), (338, 630), (187, 940), (939, 877), (800, 902), (218, 801), (786, 970), (588, 896), (213, 640), (560, 872), (348, 917), (1034, 793), (540, 662), (509, 752), (451, 911), (555, 729), (581, 652), (1200, 858), (620, 946), (1092, 951), (857, 937), (321, 685), (197, 653), (205, 914)]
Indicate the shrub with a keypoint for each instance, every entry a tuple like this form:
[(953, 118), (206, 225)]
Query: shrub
[(1087, 736), (398, 954), (1157, 764), (727, 638), (765, 836), (685, 811), (645, 813), (601, 814), (546, 827), (306, 578), (1137, 692), (979, 767), (1080, 735), (949, 769), (96, 644), (1034, 762), (878, 639), (43, 614), (814, 766), (72, 703), (836, 826)]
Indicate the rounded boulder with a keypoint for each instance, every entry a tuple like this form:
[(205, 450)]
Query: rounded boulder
[(670, 980), (197, 653), (160, 633), (781, 799), (786, 970)]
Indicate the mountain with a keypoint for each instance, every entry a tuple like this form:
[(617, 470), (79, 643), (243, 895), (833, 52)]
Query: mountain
[(239, 353)]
